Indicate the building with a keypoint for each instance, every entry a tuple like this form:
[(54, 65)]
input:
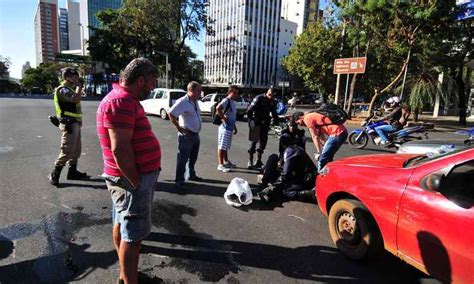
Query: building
[(25, 67), (243, 48), (301, 12), (74, 30), (88, 11), (46, 31), (63, 30), (286, 40)]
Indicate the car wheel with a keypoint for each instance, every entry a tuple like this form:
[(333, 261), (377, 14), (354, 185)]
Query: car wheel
[(353, 230), (163, 114), (358, 140)]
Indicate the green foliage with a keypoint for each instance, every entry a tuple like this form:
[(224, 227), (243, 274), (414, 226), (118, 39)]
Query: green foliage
[(45, 77), (4, 66), (313, 55), (148, 28), (385, 32)]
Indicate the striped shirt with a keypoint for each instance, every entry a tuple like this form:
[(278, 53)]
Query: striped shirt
[(120, 110)]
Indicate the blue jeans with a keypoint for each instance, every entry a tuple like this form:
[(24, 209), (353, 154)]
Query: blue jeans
[(132, 207), (188, 149), (382, 129), (333, 143)]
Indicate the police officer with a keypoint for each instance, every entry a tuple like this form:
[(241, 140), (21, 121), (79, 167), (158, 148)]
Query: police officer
[(297, 177), (259, 118), (67, 102)]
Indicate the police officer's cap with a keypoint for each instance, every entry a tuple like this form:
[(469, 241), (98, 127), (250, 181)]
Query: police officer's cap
[(68, 72)]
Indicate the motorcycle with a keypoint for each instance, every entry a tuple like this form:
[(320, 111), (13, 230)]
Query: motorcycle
[(469, 133), (359, 138)]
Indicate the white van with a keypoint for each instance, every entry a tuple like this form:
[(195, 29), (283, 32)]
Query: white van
[(160, 100)]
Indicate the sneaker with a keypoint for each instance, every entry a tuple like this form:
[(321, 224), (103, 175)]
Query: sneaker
[(223, 169), (229, 164), (250, 166)]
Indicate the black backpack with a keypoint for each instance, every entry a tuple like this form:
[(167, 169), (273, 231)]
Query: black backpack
[(334, 112)]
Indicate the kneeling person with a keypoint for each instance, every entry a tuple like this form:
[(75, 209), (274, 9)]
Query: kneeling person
[(297, 176)]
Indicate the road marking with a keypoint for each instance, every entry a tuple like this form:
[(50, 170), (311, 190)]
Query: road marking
[(294, 216)]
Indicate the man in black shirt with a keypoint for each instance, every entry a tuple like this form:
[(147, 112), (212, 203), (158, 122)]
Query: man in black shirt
[(259, 118), (297, 177)]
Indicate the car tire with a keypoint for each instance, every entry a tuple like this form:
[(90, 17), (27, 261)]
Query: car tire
[(353, 230), (358, 144), (163, 114)]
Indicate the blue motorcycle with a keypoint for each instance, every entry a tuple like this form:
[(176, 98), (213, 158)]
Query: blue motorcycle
[(359, 138)]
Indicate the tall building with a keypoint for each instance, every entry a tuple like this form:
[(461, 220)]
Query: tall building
[(74, 29), (63, 30), (243, 49), (46, 31), (286, 40), (88, 11), (301, 12), (25, 67)]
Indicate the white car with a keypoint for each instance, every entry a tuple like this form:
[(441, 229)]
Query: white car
[(160, 100), (210, 101)]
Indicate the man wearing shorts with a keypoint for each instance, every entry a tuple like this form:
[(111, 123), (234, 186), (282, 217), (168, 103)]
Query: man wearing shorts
[(132, 161), (227, 111)]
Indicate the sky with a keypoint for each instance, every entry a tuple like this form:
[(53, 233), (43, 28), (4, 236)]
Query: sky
[(17, 37)]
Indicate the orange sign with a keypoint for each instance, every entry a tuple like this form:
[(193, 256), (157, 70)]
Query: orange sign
[(350, 65)]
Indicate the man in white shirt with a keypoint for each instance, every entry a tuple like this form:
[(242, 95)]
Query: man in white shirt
[(186, 117)]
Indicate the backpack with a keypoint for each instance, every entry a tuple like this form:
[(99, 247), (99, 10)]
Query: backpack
[(334, 112)]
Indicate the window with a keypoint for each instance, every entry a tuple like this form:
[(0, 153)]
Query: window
[(176, 95), (159, 94), (151, 94), (207, 98), (458, 186)]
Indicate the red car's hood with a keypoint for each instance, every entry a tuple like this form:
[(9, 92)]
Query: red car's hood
[(381, 160)]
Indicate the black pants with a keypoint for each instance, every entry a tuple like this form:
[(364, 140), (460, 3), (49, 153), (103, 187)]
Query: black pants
[(262, 143)]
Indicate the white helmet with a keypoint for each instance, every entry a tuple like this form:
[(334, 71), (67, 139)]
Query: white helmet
[(393, 101)]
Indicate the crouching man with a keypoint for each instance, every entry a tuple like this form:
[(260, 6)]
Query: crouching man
[(297, 177)]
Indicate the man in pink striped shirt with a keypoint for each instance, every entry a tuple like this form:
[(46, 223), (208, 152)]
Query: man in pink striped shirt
[(132, 161)]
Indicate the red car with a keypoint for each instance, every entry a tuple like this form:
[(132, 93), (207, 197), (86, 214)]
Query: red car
[(419, 208)]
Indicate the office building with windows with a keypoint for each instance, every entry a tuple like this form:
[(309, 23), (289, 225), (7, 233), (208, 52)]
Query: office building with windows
[(301, 12), (63, 30), (88, 11), (73, 19), (46, 31), (243, 48)]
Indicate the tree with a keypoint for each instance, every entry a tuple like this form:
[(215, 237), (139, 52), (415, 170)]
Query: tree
[(149, 29), (45, 77), (313, 54), (4, 66)]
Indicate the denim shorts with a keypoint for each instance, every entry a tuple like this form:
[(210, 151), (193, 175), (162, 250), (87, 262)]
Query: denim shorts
[(132, 207)]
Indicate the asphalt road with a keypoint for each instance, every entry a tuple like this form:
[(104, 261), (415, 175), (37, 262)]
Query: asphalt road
[(63, 234)]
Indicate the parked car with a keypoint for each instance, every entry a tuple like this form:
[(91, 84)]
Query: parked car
[(433, 145), (417, 207), (308, 99), (160, 100), (208, 104)]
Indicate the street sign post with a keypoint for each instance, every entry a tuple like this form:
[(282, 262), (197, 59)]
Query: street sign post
[(347, 66)]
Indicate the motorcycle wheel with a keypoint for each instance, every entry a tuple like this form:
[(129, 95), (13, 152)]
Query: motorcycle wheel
[(358, 143)]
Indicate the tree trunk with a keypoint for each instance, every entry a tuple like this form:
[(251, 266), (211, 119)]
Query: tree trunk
[(351, 95), (415, 115), (461, 96), (377, 93)]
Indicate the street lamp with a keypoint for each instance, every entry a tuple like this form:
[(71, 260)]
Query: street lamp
[(82, 38)]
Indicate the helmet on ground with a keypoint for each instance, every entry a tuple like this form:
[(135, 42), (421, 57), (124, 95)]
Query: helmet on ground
[(68, 72)]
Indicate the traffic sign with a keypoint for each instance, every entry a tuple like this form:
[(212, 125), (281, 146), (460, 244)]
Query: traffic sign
[(350, 65)]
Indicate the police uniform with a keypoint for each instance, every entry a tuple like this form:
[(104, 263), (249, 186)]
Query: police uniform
[(259, 111), (69, 114)]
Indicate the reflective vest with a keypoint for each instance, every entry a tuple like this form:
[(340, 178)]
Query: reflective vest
[(66, 109)]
